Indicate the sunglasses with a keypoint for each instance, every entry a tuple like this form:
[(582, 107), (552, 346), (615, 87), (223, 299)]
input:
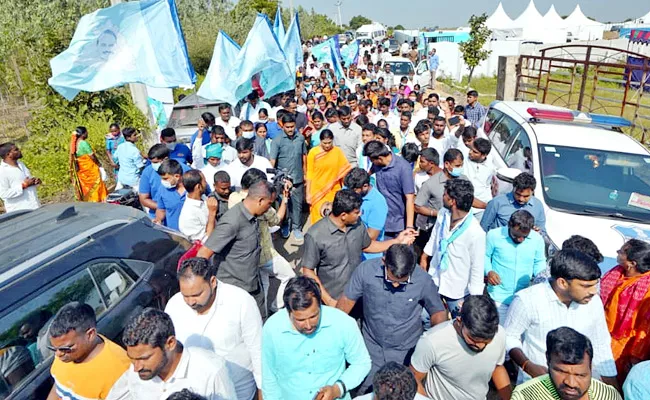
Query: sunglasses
[(62, 349), (391, 282)]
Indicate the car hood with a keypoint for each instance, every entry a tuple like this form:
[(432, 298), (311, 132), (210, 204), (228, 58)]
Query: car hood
[(608, 234)]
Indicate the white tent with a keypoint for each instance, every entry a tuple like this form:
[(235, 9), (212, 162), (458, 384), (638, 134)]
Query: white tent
[(531, 22), (644, 20), (583, 28), (552, 19), (499, 19)]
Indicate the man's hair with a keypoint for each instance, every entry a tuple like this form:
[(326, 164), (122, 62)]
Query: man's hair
[(375, 149), (407, 114), (280, 113), (300, 293), (223, 177), (479, 315), (434, 95), (433, 110), (452, 155), (369, 127), (224, 106), (469, 132), (208, 118), (394, 381), (246, 124), (472, 93), (331, 112), (568, 346), (151, 327), (197, 266), (287, 118), (218, 130), (524, 181), (400, 260), (251, 177), (74, 316), (159, 151), (167, 132), (439, 118), (352, 97), (450, 99), (5, 148), (128, 132), (638, 251), (410, 152), (344, 111), (361, 120), (483, 146), (345, 201), (430, 154), (253, 95), (171, 167), (462, 191), (420, 127), (243, 144), (572, 264), (191, 179), (185, 394), (260, 190), (522, 219), (356, 178), (384, 101), (287, 102), (583, 245), (459, 109)]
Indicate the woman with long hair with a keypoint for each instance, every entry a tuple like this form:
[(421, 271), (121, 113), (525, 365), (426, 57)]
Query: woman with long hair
[(326, 168), (84, 169), (625, 292)]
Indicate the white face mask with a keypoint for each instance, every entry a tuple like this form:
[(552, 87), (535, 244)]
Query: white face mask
[(166, 184), (155, 166), (171, 146), (248, 134)]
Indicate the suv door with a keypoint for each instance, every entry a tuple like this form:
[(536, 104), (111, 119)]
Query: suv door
[(423, 75)]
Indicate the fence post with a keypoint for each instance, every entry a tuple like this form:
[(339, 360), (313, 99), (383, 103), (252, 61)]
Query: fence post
[(507, 78)]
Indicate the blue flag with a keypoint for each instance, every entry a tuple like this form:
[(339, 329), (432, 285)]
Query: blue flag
[(262, 62), (350, 54), (292, 45), (336, 64), (278, 25), (214, 86), (321, 52), (131, 42)]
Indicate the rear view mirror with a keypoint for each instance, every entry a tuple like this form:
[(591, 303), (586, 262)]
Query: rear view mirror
[(502, 183)]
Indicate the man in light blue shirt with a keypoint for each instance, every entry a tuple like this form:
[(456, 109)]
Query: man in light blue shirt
[(129, 159), (434, 63), (513, 255), (637, 383), (305, 348), (374, 208), (498, 210)]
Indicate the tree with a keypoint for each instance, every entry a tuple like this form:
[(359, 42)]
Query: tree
[(356, 22), (472, 50), (398, 27)]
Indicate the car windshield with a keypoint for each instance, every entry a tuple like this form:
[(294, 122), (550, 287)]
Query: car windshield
[(392, 42), (400, 67), (185, 117), (598, 182)]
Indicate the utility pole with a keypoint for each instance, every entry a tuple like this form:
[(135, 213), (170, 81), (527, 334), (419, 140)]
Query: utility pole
[(139, 91), (291, 8), (338, 5)]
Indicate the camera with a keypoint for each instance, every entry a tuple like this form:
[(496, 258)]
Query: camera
[(281, 176)]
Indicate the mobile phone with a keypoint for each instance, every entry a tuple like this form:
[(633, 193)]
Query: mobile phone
[(454, 120)]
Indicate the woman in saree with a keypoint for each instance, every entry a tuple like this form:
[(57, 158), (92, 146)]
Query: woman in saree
[(625, 291), (84, 168), (326, 168)]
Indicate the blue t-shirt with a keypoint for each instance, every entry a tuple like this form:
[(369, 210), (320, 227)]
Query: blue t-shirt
[(205, 138), (272, 130), (182, 154), (113, 142), (172, 202), (150, 184), (374, 210)]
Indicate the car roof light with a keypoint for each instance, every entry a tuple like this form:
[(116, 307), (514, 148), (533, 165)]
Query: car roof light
[(577, 116)]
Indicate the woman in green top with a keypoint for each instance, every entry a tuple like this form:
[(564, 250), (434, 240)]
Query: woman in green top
[(84, 169)]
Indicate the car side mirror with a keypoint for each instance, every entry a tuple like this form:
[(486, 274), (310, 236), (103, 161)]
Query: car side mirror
[(503, 182)]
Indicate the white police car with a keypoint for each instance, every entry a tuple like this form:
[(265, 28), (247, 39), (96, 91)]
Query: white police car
[(593, 180)]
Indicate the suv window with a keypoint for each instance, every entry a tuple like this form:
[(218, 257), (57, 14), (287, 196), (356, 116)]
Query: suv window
[(23, 332), (492, 118), (113, 282), (519, 153), (503, 134)]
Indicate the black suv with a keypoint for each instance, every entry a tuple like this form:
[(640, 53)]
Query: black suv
[(110, 257)]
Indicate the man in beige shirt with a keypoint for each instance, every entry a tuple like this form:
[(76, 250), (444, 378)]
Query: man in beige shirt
[(271, 262)]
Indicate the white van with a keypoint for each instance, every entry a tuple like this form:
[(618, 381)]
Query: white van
[(375, 32)]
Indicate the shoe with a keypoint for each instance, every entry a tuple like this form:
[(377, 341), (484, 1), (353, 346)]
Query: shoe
[(284, 231), (297, 234)]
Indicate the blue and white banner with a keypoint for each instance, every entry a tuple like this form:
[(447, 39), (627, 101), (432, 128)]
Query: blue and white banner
[(292, 45), (131, 42), (260, 60), (225, 53), (336, 64), (278, 25), (350, 53), (322, 53)]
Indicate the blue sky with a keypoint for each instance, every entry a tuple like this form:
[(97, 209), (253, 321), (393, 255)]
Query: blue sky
[(418, 13)]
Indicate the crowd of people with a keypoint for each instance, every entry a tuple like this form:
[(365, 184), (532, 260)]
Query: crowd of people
[(420, 276)]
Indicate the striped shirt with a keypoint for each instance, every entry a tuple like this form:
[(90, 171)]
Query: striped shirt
[(541, 388)]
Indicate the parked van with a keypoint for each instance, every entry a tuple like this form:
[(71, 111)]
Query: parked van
[(375, 32)]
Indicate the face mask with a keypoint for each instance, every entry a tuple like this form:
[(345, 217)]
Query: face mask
[(155, 166), (248, 134), (171, 146), (166, 184), (456, 172)]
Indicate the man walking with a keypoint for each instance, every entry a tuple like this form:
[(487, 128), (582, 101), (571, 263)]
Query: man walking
[(434, 63), (347, 135), (393, 293), (474, 111), (17, 185), (306, 347)]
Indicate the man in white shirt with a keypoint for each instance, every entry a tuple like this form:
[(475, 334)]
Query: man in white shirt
[(457, 247), (227, 121), (429, 160), (569, 298), (440, 140), (384, 113), (162, 365), (213, 154), (250, 110), (312, 71), (480, 172), (17, 185), (245, 161), (221, 318), (199, 151), (199, 213)]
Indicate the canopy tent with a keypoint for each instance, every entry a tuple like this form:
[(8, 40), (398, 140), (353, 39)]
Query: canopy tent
[(531, 22), (553, 20), (645, 19), (499, 19), (583, 28)]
